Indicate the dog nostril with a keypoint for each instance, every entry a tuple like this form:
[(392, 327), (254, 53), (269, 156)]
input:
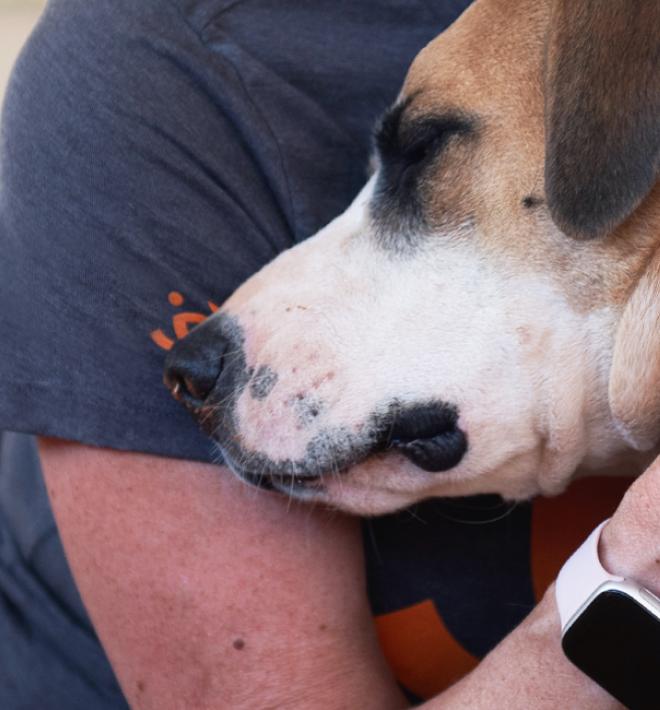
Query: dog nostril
[(428, 436), (186, 387), (194, 365), (191, 387)]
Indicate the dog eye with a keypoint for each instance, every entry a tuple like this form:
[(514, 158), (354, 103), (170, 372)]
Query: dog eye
[(425, 146), (406, 148), (410, 145)]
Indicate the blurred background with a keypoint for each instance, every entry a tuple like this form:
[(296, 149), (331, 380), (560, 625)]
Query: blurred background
[(17, 17)]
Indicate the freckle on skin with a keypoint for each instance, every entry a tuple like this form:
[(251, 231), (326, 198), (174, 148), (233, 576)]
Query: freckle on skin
[(141, 686), (239, 644), (322, 627)]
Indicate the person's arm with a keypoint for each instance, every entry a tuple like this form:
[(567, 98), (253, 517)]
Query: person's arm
[(207, 594), (528, 669)]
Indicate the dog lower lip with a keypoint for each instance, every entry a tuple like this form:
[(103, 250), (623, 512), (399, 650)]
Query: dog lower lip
[(280, 483), (428, 435), (257, 480), (436, 454)]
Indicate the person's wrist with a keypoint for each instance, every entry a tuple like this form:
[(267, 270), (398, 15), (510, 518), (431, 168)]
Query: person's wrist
[(629, 544), (540, 636), (607, 620), (622, 559)]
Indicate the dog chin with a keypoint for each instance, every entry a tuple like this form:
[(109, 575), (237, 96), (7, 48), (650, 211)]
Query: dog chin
[(365, 501), (345, 494)]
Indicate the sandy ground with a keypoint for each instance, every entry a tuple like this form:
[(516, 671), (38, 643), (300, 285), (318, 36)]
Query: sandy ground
[(16, 23)]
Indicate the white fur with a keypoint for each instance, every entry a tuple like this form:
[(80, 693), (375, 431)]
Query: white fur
[(353, 326)]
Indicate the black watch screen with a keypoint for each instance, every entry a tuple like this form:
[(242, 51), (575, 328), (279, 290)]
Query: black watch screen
[(616, 642)]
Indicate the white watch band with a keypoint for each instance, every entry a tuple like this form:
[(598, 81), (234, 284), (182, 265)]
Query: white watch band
[(580, 576)]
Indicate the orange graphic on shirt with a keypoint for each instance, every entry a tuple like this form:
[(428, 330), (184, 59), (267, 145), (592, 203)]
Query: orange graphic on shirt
[(420, 649), (181, 322)]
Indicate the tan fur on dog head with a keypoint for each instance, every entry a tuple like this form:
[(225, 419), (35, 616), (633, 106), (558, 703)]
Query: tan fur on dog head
[(634, 389)]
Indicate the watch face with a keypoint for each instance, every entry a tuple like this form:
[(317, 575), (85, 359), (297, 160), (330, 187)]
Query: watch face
[(616, 641)]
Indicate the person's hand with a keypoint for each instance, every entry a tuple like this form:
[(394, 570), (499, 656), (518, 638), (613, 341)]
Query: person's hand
[(630, 542)]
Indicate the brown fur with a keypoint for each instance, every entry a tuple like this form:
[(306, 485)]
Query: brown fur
[(602, 96), (567, 97), (635, 376), (500, 47)]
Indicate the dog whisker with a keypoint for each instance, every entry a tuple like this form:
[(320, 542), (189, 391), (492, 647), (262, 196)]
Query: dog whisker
[(487, 521)]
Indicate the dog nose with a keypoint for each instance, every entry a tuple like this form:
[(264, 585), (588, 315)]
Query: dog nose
[(194, 364), (428, 435)]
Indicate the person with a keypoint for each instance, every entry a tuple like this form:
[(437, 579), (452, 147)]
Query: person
[(153, 155)]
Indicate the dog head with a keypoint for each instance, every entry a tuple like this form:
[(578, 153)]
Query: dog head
[(484, 317)]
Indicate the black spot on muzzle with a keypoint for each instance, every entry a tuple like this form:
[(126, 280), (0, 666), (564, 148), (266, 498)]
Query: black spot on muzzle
[(428, 435), (263, 381)]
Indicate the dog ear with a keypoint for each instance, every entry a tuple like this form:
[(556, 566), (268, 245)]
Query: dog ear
[(634, 387), (602, 111)]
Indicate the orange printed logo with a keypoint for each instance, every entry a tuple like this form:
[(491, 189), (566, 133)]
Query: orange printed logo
[(422, 652), (181, 322)]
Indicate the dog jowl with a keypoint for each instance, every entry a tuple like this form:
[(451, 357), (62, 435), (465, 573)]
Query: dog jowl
[(483, 318)]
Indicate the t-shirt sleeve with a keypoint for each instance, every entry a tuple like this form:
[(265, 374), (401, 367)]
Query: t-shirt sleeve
[(139, 186)]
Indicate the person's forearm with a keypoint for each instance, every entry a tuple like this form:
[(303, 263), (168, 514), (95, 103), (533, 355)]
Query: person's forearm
[(527, 671), (205, 596), (208, 595)]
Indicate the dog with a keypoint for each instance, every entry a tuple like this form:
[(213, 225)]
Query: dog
[(485, 316)]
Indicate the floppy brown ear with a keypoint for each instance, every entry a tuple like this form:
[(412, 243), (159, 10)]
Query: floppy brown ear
[(602, 111), (634, 388)]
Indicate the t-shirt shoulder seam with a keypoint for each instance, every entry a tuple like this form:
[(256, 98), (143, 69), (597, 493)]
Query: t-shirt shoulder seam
[(199, 33), (276, 143)]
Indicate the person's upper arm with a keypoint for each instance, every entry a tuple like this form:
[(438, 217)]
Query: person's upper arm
[(207, 594)]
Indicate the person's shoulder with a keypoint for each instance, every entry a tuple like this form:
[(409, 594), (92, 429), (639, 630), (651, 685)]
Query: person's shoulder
[(125, 178)]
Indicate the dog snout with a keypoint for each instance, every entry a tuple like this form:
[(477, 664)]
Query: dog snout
[(429, 436), (195, 364)]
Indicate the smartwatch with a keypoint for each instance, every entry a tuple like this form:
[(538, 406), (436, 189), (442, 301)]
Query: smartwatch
[(610, 628)]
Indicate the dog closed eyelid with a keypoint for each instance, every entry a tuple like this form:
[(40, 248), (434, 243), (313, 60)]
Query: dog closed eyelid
[(407, 149), (418, 139), (425, 147), (405, 153)]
